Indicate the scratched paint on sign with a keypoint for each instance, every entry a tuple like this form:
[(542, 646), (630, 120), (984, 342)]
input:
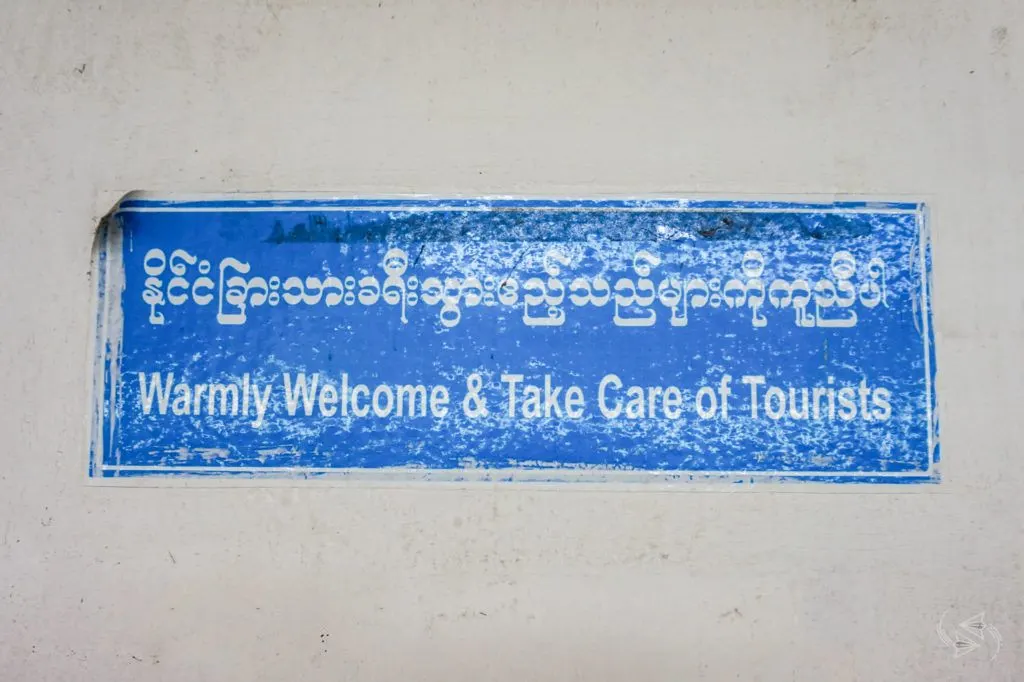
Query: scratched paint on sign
[(514, 340)]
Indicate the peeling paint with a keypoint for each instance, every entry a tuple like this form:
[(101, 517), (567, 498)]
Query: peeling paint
[(515, 340)]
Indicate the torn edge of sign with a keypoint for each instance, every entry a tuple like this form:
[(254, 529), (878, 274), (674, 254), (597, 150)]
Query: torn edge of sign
[(105, 347)]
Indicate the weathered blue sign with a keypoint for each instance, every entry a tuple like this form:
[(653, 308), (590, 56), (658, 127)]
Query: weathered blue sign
[(527, 340)]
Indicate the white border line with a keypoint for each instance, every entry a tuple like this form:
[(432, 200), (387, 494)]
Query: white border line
[(923, 244), (498, 472), (492, 209)]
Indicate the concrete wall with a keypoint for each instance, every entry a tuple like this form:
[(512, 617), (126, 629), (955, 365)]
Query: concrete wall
[(563, 98)]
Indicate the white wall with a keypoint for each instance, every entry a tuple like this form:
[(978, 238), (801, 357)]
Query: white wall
[(564, 98)]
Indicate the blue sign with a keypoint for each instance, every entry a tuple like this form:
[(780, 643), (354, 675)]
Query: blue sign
[(515, 340)]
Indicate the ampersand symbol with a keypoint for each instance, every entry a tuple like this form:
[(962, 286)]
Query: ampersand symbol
[(473, 405)]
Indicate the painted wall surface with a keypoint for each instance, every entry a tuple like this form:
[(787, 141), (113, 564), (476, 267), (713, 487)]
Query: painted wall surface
[(449, 582)]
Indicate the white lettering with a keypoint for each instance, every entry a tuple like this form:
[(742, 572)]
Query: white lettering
[(293, 391), (147, 392), (613, 381), (261, 402)]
